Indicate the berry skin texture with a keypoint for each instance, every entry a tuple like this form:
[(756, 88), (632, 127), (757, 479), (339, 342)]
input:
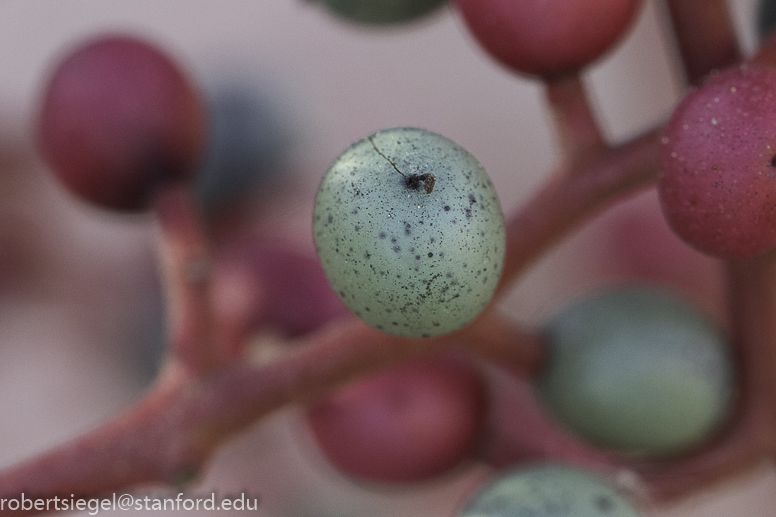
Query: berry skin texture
[(548, 490), (547, 37), (411, 254), (383, 12), (717, 169), (638, 370), (118, 119), (408, 424)]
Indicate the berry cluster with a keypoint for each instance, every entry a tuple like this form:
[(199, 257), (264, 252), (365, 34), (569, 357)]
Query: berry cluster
[(412, 249)]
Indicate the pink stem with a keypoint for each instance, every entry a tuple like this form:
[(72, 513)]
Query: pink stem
[(705, 36), (580, 137), (567, 200), (752, 291), (168, 436), (185, 262)]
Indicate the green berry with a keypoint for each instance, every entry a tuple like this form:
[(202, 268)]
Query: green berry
[(549, 491), (410, 232), (383, 12), (639, 370)]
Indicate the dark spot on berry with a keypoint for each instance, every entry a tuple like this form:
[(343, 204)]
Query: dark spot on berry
[(430, 255), (382, 235), (447, 208)]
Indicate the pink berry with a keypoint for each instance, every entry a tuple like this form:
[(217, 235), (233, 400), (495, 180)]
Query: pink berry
[(547, 37), (718, 164), (407, 424), (266, 283), (119, 118)]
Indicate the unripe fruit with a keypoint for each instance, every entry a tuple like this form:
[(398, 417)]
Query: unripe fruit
[(549, 491), (410, 232), (718, 164), (547, 37), (118, 119), (638, 370), (383, 12)]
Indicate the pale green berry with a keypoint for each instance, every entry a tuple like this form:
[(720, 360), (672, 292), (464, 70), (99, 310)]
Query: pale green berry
[(639, 370), (383, 12), (548, 491), (410, 232)]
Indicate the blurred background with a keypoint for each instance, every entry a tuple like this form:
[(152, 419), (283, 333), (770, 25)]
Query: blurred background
[(80, 310)]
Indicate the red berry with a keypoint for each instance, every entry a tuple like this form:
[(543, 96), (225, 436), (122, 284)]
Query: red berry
[(407, 424), (260, 283), (119, 118), (547, 37), (718, 164)]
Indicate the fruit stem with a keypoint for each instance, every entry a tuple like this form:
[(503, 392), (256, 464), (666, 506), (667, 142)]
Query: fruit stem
[(566, 200), (705, 36), (175, 428), (579, 134), (752, 304), (185, 260)]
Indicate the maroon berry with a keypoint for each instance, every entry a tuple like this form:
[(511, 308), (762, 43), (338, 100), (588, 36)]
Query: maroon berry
[(408, 424), (547, 37), (718, 164), (118, 119)]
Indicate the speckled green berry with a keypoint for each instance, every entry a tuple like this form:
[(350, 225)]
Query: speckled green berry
[(410, 232), (548, 491), (638, 369)]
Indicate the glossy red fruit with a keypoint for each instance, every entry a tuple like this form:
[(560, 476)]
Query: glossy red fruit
[(408, 424), (547, 37), (718, 164), (119, 118)]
